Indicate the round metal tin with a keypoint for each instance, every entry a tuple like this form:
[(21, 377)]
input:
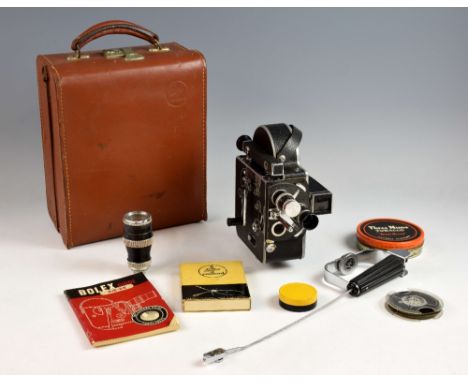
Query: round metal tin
[(388, 234)]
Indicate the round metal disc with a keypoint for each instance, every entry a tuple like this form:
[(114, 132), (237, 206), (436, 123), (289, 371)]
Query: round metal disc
[(414, 304)]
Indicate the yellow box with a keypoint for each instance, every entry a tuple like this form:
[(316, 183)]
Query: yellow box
[(214, 286)]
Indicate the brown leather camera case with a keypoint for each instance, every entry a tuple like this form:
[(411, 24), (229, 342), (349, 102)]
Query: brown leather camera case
[(122, 130)]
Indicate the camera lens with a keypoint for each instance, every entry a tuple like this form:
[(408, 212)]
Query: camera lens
[(138, 237), (309, 220)]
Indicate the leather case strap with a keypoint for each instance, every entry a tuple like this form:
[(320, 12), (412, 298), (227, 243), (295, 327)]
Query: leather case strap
[(113, 27)]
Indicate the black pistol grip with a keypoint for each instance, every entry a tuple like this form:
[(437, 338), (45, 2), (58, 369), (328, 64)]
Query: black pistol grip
[(387, 269)]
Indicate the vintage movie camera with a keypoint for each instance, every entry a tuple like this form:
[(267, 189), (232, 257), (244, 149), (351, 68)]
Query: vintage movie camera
[(276, 200)]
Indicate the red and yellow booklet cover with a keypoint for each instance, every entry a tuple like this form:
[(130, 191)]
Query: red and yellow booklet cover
[(121, 310)]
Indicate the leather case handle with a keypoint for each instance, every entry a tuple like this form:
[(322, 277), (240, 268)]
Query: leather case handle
[(113, 27)]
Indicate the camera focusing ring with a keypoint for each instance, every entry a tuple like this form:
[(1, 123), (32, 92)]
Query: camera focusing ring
[(138, 243)]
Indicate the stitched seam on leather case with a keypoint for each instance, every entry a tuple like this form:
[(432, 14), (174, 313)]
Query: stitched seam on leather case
[(204, 130), (43, 127), (64, 155)]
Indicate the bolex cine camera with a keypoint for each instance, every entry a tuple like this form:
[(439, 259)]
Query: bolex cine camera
[(276, 200)]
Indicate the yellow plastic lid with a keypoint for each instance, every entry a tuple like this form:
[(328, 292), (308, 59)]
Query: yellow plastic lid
[(298, 296)]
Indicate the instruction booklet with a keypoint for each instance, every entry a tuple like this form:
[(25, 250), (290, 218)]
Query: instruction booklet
[(121, 310)]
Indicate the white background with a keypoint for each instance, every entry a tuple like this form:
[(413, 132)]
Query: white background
[(381, 98)]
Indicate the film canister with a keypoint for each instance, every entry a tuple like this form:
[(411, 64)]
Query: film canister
[(297, 297), (388, 234)]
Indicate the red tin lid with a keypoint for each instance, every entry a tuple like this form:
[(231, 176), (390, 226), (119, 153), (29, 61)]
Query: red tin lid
[(388, 233)]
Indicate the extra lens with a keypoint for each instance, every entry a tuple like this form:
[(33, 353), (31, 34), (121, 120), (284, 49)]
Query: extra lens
[(138, 236)]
